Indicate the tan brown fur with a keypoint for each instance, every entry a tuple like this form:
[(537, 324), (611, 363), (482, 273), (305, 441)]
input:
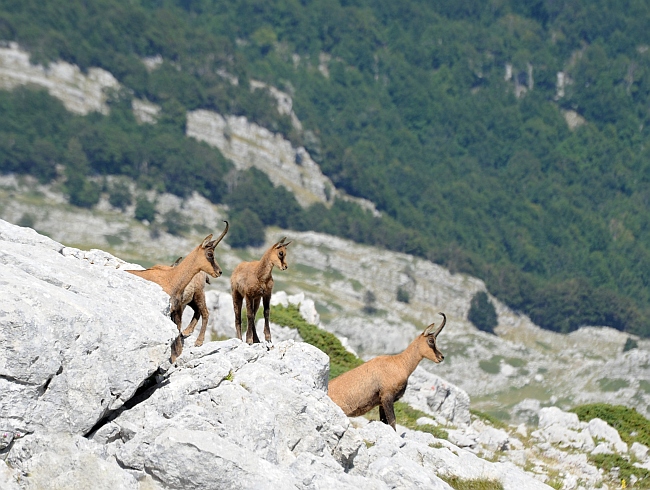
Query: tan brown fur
[(174, 280), (253, 281), (194, 297), (382, 380)]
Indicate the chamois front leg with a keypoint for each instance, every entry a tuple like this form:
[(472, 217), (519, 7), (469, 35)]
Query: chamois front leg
[(387, 412), (237, 300), (251, 333), (266, 301), (205, 314)]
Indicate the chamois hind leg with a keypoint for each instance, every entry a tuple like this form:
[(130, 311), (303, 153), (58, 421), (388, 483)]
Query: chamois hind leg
[(237, 300), (387, 413), (177, 318), (203, 309), (195, 318), (266, 301)]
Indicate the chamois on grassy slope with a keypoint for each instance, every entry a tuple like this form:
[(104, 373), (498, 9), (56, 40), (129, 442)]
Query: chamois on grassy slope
[(194, 297), (174, 280), (253, 281), (382, 380)]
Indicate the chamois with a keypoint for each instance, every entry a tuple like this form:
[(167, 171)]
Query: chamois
[(382, 380), (253, 281), (194, 297), (174, 280)]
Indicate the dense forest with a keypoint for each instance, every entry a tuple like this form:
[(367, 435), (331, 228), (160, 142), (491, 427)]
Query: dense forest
[(404, 103)]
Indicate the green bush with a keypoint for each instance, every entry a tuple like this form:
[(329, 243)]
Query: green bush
[(119, 195), (28, 220), (630, 424), (630, 344), (482, 313), (246, 230), (82, 192), (145, 210), (403, 295), (175, 223)]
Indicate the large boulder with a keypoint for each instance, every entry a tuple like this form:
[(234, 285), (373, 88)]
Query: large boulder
[(432, 394), (78, 336)]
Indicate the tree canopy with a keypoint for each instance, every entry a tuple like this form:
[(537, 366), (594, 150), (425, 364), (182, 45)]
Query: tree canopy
[(446, 114)]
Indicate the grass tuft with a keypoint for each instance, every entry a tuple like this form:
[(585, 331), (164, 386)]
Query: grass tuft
[(472, 484)]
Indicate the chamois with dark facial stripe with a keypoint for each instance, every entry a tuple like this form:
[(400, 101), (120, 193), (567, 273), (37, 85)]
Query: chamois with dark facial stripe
[(174, 280), (253, 281), (382, 380)]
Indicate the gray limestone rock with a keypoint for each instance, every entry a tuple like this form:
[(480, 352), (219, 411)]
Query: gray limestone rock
[(434, 395), (70, 350)]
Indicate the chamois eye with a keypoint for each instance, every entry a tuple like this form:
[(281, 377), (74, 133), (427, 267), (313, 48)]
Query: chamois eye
[(209, 254), (281, 254)]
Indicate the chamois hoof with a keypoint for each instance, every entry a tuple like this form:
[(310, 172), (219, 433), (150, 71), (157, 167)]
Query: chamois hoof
[(185, 333), (198, 343)]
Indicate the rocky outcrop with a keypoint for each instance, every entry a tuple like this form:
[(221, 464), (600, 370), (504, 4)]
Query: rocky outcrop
[(88, 398), (70, 353), (80, 93), (249, 145)]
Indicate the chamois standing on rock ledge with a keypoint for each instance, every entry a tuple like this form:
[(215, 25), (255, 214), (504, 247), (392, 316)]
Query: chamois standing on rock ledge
[(382, 380), (174, 280), (194, 297), (253, 281)]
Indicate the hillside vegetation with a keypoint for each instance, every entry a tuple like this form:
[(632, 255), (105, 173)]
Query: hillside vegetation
[(411, 109)]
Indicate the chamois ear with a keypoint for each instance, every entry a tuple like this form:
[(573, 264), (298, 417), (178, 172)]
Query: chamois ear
[(287, 244), (281, 243), (206, 241)]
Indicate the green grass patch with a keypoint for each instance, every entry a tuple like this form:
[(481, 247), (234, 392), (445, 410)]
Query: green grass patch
[(340, 359), (472, 484), (516, 362), (491, 366), (491, 419), (644, 385), (615, 384), (625, 468), (630, 424), (114, 240)]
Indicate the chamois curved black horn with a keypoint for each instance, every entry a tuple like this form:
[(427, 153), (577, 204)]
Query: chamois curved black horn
[(439, 329), (280, 244), (223, 234)]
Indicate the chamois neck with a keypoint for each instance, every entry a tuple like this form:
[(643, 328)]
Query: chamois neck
[(264, 265), (410, 357), (183, 273)]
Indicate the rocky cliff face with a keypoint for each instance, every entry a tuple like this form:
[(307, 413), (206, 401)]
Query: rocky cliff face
[(88, 398), (245, 143), (80, 93)]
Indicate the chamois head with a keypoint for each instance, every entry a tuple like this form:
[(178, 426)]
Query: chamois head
[(430, 333), (279, 254), (208, 246)]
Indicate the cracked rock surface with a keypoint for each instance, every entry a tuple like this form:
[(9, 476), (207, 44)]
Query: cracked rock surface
[(88, 398)]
